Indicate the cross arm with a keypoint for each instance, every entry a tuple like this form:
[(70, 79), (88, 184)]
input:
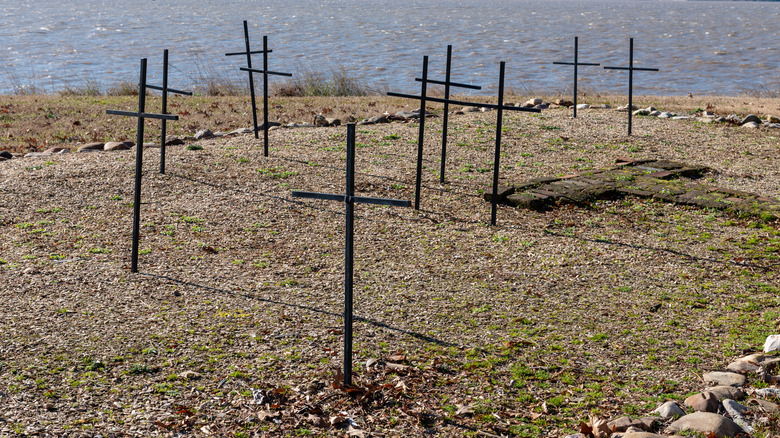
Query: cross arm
[(253, 52), (170, 90), (315, 195), (631, 68), (357, 199), (144, 115), (578, 63), (254, 70), (459, 102), (451, 84)]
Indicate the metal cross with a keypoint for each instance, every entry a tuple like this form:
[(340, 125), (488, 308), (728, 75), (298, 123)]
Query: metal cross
[(500, 107), (139, 155), (575, 64), (265, 73), (165, 90), (447, 84), (631, 69), (349, 199)]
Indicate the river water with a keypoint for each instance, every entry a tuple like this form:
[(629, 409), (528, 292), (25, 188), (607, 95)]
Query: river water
[(712, 47)]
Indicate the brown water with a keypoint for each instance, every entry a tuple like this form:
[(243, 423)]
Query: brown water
[(700, 47)]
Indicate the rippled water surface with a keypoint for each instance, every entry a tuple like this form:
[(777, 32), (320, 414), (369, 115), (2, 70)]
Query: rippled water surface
[(700, 47)]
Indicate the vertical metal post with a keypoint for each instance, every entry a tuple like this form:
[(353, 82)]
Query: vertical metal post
[(139, 157), (348, 254), (421, 132), (265, 95), (446, 114), (164, 110), (497, 158), (630, 84), (251, 78), (576, 42)]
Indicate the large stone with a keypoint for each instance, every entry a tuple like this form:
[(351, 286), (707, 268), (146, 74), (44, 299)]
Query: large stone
[(333, 122), (583, 106), (764, 404), (172, 140), (5, 155), (719, 378), (750, 125), (320, 120), (564, 102), (241, 131), (706, 422), (118, 145), (747, 364), (669, 409), (90, 147), (772, 119), (724, 392), (703, 402), (530, 103)]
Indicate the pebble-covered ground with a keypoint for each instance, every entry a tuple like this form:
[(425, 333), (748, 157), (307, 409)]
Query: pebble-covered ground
[(233, 325)]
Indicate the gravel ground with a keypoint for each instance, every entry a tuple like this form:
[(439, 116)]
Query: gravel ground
[(233, 325)]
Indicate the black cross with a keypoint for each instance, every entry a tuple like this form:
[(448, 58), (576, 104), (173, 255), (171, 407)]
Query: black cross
[(265, 73), (575, 64), (631, 69), (165, 90), (139, 155), (349, 199), (447, 84), (500, 107)]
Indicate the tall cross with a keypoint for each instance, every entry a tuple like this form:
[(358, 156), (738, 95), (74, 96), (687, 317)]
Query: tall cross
[(500, 116), (349, 199), (447, 84), (631, 69), (165, 90), (139, 155), (265, 73), (575, 64)]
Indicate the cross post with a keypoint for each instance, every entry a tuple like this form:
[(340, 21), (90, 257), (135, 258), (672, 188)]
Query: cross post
[(139, 156), (631, 69), (265, 72), (447, 84), (500, 107), (349, 199), (165, 90), (575, 64)]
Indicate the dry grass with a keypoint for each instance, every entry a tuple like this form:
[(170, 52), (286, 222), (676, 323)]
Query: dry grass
[(521, 329)]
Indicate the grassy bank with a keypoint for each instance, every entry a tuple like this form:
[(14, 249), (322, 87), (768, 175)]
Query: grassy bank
[(36, 122)]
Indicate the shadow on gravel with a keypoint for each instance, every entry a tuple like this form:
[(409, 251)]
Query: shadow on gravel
[(373, 322)]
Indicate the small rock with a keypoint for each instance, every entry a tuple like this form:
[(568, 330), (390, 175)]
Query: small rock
[(669, 409), (299, 125), (530, 103), (773, 125), (623, 423), (747, 364), (682, 118), (221, 134), (751, 125), (772, 343), (563, 102), (724, 379), (706, 422), (118, 145), (642, 435), (737, 412), (642, 112), (654, 113), (583, 106), (6, 155), (49, 407), (172, 140), (91, 147), (56, 150), (751, 118), (241, 131), (271, 126), (333, 122), (625, 108), (378, 119), (666, 115), (190, 375), (470, 109), (705, 120), (320, 120), (772, 119), (703, 402), (768, 392), (204, 134), (485, 109), (765, 405)]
